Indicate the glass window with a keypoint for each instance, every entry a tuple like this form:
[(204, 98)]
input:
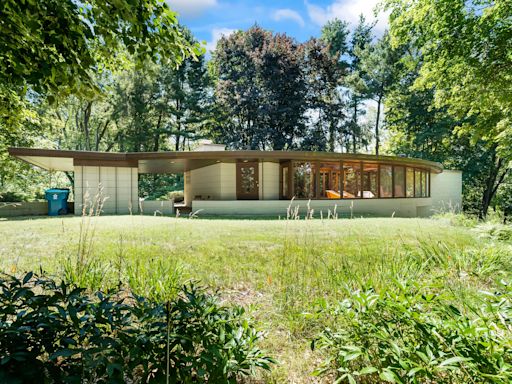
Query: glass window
[(370, 180), (248, 179), (410, 182), (428, 183), (330, 180), (424, 190), (417, 183), (284, 176), (399, 181), (386, 181), (304, 180), (351, 180)]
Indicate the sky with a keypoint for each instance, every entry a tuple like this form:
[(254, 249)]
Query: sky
[(210, 19)]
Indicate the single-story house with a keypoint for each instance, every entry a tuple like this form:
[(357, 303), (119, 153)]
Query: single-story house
[(250, 182)]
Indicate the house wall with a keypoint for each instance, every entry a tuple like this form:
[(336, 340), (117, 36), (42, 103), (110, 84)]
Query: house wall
[(157, 207), (446, 191), (25, 208), (204, 183), (269, 181), (117, 186), (227, 181), (406, 207), (218, 182), (187, 189)]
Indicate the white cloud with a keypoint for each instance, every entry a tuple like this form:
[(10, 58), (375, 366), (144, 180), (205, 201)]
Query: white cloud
[(191, 7), (347, 10), (288, 14), (217, 33)]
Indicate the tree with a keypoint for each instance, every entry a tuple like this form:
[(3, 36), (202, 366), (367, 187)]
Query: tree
[(260, 85), (421, 129), (356, 86), (326, 108), (55, 46), (466, 53), (378, 62)]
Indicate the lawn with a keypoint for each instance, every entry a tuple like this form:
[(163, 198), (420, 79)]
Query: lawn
[(281, 271)]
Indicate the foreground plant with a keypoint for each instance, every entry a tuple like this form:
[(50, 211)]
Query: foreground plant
[(410, 335), (53, 333)]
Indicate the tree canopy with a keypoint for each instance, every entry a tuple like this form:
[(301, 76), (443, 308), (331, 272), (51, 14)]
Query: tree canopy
[(56, 46)]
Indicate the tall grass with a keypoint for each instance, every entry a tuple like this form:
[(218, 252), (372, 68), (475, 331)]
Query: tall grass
[(285, 271)]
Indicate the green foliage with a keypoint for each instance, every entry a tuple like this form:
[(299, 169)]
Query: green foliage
[(462, 52), (419, 128), (358, 89), (380, 66), (466, 66), (411, 334), (324, 75), (59, 44), (52, 332), (158, 186)]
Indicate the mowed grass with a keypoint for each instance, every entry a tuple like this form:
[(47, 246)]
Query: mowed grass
[(281, 271)]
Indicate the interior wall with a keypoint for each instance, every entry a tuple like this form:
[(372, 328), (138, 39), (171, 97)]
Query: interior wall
[(117, 187)]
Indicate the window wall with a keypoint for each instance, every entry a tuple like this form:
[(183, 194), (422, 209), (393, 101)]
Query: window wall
[(386, 181), (352, 180), (330, 180), (399, 181), (304, 175), (370, 180)]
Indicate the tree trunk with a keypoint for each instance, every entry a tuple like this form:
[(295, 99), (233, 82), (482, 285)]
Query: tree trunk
[(354, 127), (377, 141), (493, 182)]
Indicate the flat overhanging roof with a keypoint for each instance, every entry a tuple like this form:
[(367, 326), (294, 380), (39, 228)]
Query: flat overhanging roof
[(178, 162)]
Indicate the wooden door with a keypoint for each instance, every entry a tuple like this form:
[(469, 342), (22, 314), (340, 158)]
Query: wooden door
[(247, 181)]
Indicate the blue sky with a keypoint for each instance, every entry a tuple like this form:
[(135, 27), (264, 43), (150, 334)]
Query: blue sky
[(210, 19)]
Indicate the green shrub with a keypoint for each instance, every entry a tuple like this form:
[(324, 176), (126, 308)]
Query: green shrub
[(13, 197), (178, 196), (499, 232), (54, 333), (458, 219), (411, 335)]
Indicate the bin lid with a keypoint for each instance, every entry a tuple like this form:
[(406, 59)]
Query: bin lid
[(57, 190)]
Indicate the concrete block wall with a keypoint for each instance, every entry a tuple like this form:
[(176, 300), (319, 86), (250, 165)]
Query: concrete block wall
[(227, 181), (218, 182), (405, 207), (25, 208), (157, 207), (116, 186), (446, 191), (269, 181), (205, 183)]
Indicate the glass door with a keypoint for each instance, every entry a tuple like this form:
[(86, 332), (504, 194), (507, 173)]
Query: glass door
[(247, 181)]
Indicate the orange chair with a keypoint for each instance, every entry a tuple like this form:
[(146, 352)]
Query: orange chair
[(332, 194)]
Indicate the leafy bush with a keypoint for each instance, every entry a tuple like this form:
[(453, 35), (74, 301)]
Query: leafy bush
[(13, 197), (411, 335), (54, 333), (178, 196), (458, 219)]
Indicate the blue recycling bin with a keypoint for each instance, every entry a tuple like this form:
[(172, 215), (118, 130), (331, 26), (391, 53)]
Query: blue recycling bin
[(57, 201)]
